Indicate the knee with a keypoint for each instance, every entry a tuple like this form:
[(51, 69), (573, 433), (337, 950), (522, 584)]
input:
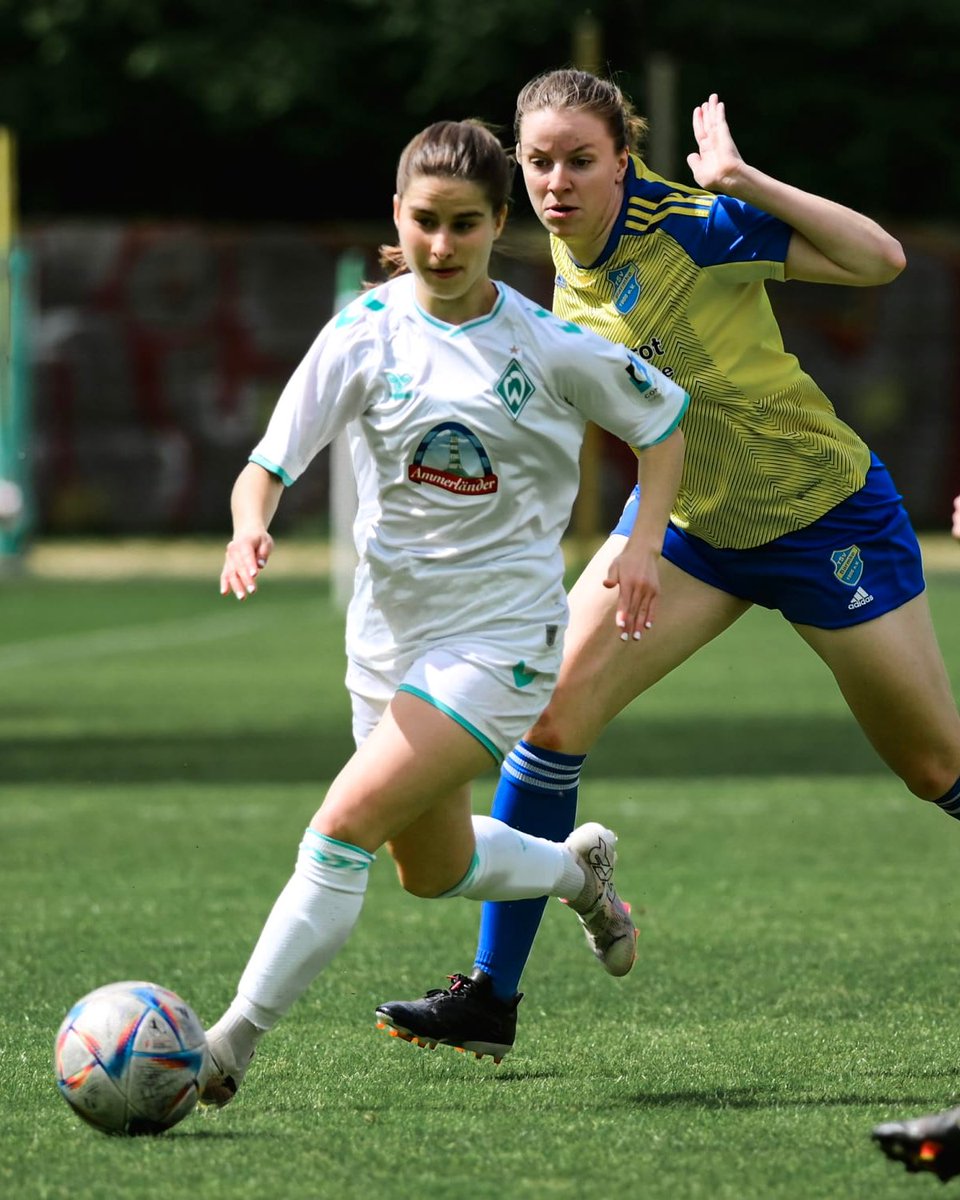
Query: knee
[(551, 731), (421, 888), (424, 885), (931, 781)]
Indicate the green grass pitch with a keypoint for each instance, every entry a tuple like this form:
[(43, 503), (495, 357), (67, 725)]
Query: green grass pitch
[(161, 750)]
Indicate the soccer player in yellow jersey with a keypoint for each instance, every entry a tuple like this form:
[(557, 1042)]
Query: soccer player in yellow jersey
[(781, 503)]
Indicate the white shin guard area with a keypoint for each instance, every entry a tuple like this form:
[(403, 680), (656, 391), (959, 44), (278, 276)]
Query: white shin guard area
[(312, 918)]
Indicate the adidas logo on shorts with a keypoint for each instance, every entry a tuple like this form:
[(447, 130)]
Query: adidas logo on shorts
[(860, 598)]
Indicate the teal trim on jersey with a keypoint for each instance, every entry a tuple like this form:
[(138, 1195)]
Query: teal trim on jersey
[(373, 304), (347, 316), (564, 326), (454, 330), (459, 888), (322, 848), (272, 468), (444, 708), (663, 436)]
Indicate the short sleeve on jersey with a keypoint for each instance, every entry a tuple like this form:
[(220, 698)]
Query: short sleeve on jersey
[(733, 232)]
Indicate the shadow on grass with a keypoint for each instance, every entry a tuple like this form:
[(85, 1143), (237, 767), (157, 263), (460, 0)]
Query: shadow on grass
[(757, 1098), (220, 1135), (717, 746), (525, 1076)]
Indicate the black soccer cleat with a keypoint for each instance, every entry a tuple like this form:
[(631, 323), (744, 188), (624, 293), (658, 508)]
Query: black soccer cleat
[(466, 1015), (930, 1143)]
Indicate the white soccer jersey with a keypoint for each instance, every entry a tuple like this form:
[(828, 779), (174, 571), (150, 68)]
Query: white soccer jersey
[(465, 442)]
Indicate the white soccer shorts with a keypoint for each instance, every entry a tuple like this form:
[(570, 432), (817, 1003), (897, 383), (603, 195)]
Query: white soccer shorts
[(482, 687)]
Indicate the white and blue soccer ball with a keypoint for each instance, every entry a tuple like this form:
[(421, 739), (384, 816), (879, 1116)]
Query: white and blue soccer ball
[(131, 1058)]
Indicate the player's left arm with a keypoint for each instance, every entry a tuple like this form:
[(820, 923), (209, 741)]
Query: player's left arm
[(830, 243), (635, 570)]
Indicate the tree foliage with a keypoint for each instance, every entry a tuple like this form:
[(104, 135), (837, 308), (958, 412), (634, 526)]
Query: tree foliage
[(296, 110)]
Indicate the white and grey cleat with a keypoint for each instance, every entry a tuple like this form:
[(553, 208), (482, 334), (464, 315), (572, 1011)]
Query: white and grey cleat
[(607, 924)]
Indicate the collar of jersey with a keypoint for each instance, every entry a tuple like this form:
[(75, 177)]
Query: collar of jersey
[(453, 330)]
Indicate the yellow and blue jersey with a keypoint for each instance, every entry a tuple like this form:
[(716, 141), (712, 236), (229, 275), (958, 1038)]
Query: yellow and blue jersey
[(681, 282)]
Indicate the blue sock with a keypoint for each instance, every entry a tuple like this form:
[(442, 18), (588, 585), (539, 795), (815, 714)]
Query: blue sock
[(950, 802), (537, 794)]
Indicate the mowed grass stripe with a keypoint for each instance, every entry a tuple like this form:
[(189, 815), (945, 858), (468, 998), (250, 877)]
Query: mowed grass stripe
[(136, 639)]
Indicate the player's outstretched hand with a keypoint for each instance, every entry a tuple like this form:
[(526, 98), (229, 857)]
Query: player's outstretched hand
[(956, 517), (636, 574), (246, 557), (930, 1143), (716, 163)]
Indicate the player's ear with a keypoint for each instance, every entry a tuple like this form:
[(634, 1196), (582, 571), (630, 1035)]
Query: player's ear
[(396, 210), (499, 220), (622, 159)]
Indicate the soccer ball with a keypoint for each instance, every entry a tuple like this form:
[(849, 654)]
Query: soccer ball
[(131, 1058)]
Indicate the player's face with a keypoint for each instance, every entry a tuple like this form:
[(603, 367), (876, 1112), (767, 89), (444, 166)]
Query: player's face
[(574, 177), (447, 230)]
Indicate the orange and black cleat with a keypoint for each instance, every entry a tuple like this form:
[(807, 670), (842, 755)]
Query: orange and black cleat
[(466, 1016), (930, 1143)]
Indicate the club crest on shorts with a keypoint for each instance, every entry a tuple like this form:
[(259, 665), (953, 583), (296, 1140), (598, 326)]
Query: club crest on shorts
[(452, 457), (626, 287), (847, 565)]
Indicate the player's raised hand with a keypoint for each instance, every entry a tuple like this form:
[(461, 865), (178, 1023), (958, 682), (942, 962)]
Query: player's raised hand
[(246, 556), (716, 162), (636, 574)]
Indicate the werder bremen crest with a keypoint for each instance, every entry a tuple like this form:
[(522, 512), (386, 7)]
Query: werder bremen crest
[(514, 388)]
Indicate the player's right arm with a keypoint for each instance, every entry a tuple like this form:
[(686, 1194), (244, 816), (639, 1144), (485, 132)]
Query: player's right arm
[(830, 243), (328, 389), (253, 503)]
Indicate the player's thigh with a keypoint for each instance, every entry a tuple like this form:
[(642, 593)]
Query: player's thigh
[(600, 673), (892, 675), (416, 759)]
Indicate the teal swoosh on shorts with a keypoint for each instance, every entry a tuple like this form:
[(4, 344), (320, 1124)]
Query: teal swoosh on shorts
[(521, 676)]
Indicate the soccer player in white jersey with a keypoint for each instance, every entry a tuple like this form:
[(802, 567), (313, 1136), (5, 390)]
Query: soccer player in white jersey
[(465, 405), (781, 503)]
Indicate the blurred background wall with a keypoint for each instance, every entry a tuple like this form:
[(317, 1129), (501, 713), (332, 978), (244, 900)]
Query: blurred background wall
[(159, 351), (186, 179)]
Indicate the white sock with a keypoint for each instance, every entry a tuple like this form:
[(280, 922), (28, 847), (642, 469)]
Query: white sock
[(312, 918), (238, 1032), (510, 865)]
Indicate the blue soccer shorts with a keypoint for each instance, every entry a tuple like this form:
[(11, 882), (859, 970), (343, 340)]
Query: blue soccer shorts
[(858, 561)]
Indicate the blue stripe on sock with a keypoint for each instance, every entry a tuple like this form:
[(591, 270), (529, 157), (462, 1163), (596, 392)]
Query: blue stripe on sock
[(537, 794), (950, 801), (547, 770)]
